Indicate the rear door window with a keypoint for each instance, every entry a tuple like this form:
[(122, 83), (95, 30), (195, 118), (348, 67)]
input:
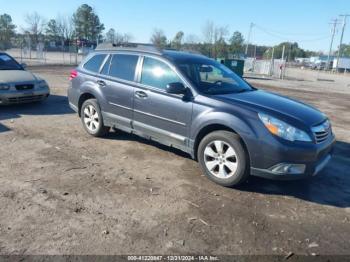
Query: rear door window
[(94, 64), (123, 66)]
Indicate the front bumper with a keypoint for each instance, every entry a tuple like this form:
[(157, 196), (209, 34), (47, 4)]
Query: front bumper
[(314, 157), (21, 97)]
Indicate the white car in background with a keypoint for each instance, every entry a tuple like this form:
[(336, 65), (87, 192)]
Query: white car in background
[(19, 86)]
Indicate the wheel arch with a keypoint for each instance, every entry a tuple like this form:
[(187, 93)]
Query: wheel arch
[(83, 97), (210, 128)]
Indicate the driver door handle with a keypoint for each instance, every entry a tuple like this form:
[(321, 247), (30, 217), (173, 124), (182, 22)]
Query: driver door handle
[(141, 94), (101, 83)]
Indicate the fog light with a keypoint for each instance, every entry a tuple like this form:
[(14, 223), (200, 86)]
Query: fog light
[(285, 168)]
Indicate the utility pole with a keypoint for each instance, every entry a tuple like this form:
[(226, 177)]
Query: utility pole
[(282, 62), (334, 23), (341, 39), (272, 62), (248, 38)]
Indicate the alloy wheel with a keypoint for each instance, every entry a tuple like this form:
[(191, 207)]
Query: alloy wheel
[(221, 159), (91, 118)]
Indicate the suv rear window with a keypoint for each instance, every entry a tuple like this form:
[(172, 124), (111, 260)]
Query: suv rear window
[(123, 66), (95, 63)]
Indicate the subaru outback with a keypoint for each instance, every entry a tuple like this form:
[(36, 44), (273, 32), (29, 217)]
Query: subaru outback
[(195, 104)]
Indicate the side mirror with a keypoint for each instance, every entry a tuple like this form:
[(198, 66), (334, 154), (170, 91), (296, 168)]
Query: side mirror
[(176, 88), (24, 65)]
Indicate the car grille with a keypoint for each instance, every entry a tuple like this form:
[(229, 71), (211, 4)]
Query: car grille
[(322, 132), (25, 99), (25, 87)]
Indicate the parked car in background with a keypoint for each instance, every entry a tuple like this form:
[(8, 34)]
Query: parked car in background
[(18, 85), (201, 107)]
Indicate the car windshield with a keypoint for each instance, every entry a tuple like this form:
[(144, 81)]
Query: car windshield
[(8, 63), (213, 78)]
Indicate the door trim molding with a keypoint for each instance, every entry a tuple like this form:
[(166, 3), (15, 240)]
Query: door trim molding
[(162, 118), (125, 107)]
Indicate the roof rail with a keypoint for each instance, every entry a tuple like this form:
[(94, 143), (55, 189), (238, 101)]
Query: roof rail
[(147, 48)]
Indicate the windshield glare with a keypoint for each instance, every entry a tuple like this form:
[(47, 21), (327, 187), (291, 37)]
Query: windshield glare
[(7, 63), (213, 78)]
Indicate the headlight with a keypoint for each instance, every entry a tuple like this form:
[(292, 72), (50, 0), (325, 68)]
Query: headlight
[(4, 87), (284, 130), (42, 84)]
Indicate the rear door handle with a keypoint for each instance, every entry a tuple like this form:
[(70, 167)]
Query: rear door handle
[(101, 83), (141, 94)]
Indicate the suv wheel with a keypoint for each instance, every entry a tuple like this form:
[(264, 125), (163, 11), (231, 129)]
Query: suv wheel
[(223, 159), (91, 118)]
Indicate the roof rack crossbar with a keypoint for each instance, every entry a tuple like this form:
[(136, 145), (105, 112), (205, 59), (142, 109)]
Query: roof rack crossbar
[(147, 48)]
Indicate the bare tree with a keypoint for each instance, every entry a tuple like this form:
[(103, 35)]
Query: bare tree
[(65, 27), (35, 25), (192, 39), (209, 32), (177, 41), (220, 33), (158, 38), (219, 47), (214, 38), (127, 37), (111, 36), (191, 43)]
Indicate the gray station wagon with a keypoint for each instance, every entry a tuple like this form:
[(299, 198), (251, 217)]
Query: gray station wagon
[(193, 103), (18, 85)]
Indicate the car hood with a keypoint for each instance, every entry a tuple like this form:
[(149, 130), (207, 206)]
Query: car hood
[(10, 76), (277, 105)]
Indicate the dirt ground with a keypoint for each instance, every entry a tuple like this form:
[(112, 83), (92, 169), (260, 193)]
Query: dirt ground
[(64, 192)]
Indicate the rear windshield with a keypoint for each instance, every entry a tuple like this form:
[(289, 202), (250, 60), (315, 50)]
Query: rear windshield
[(8, 63), (94, 64)]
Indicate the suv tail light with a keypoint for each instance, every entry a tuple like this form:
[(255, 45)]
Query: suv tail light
[(73, 74)]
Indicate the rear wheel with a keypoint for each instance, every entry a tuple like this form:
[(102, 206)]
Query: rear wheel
[(91, 118), (223, 159)]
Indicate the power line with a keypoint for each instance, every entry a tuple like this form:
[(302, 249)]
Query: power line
[(287, 34), (289, 39)]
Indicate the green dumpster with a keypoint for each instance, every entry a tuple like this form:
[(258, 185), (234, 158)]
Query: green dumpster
[(236, 65)]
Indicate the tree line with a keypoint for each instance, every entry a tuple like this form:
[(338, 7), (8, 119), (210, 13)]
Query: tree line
[(84, 28)]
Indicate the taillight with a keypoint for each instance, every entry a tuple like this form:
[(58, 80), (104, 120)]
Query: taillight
[(73, 74)]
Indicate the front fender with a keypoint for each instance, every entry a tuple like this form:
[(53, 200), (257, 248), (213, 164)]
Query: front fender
[(239, 124), (241, 127)]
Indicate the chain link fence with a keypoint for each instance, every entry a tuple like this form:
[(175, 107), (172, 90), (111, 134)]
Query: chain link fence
[(46, 52), (265, 68)]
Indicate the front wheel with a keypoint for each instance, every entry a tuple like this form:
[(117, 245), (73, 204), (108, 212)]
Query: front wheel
[(91, 118), (223, 159)]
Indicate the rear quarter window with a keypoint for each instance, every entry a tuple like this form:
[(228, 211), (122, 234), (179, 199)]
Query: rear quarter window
[(95, 62)]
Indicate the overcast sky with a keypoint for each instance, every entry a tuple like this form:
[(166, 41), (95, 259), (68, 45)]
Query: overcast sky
[(306, 22)]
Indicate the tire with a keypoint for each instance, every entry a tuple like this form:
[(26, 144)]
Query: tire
[(222, 158), (92, 120)]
